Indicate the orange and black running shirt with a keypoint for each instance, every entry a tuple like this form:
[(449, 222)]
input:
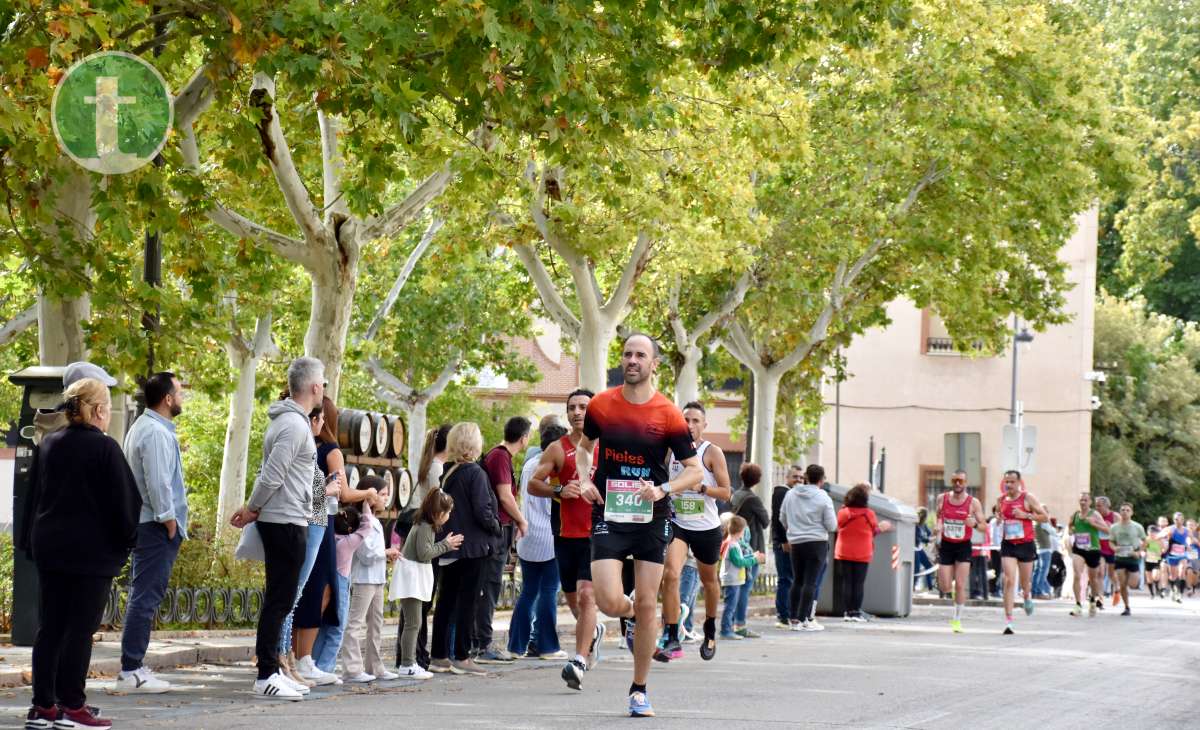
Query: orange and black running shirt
[(633, 444)]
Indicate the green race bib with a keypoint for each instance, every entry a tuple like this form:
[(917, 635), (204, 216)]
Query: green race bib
[(689, 505)]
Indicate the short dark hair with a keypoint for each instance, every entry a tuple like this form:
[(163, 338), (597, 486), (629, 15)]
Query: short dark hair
[(434, 504), (371, 481), (1013, 472), (814, 474), (694, 405), (858, 496), (653, 342), (751, 475), (516, 428), (552, 433), (157, 387), (581, 391)]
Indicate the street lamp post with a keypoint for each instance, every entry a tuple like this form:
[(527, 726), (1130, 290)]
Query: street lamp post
[(1016, 409)]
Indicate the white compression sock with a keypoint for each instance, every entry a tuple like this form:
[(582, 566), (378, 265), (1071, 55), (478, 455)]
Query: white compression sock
[(958, 607)]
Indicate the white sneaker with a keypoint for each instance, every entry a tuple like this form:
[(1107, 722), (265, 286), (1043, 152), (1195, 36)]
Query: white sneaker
[(812, 625), (140, 681), (414, 672), (298, 686), (274, 688), (360, 678), (308, 669), (386, 676), (559, 656), (799, 626)]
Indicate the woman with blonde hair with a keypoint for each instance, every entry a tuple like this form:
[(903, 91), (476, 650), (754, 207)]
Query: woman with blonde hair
[(476, 518), (84, 525)]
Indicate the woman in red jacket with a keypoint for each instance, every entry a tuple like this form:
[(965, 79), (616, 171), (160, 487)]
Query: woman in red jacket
[(857, 528)]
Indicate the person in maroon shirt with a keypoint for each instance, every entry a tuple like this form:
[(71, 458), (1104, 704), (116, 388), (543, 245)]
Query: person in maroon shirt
[(635, 426), (498, 463)]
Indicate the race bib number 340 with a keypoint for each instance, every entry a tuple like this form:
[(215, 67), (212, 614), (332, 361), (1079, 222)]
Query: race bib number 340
[(623, 502)]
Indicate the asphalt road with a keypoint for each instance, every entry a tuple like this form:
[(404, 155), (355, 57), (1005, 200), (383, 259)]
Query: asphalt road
[(1056, 672)]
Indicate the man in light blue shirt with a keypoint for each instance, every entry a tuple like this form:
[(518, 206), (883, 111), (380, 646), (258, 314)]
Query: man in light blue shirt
[(152, 450)]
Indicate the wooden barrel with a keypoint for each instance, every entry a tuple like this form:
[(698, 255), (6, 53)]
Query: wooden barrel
[(355, 431), (352, 475), (379, 447), (389, 486), (395, 447), (404, 490)]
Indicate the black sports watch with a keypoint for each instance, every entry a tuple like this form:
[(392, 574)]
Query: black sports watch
[(558, 489), (703, 488)]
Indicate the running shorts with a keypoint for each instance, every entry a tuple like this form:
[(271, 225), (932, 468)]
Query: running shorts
[(1151, 565), (1091, 558), (647, 542), (705, 544), (1176, 559), (1129, 564), (1109, 558), (1024, 552), (950, 553), (574, 558)]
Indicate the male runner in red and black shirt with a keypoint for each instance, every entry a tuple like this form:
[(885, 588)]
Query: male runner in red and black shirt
[(635, 426)]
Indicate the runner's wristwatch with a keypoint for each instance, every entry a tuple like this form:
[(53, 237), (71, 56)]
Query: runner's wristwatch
[(558, 489)]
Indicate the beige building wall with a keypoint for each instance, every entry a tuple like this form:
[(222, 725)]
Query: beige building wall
[(908, 396)]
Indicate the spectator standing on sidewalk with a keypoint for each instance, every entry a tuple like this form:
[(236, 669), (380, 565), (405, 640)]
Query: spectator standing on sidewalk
[(152, 450), (749, 507), (737, 559), (807, 514), (1043, 536), (921, 561), (857, 528), (533, 628), (82, 528), (280, 506), (779, 547), (498, 463)]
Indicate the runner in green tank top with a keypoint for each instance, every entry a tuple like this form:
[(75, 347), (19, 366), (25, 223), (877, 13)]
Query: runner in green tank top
[(1084, 535), (1154, 552)]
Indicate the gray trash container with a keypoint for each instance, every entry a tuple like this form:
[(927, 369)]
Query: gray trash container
[(887, 592)]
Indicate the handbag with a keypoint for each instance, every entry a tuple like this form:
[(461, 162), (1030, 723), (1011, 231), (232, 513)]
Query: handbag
[(250, 545)]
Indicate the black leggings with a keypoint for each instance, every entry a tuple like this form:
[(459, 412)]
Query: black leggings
[(854, 576), (70, 606), (807, 559), (457, 593)]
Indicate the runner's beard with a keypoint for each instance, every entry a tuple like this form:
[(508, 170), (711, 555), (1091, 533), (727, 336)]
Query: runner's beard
[(636, 376)]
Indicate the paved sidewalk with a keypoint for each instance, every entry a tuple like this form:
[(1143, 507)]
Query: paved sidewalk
[(171, 649)]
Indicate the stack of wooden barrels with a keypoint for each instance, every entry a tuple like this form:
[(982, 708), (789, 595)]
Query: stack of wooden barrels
[(373, 444)]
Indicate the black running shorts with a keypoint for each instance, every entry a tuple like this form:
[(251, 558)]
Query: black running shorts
[(705, 544), (1109, 558), (950, 553), (574, 557), (647, 542), (1091, 558), (1024, 552), (1128, 564)]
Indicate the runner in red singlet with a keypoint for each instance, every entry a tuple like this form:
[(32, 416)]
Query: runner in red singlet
[(1018, 510), (571, 523), (957, 513)]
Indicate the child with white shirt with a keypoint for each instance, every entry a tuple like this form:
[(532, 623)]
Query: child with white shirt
[(368, 576)]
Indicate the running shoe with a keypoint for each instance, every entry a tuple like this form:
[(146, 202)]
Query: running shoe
[(1077, 611), (553, 656), (639, 705), (781, 624), (661, 655), (812, 625), (1028, 606), (674, 649), (1126, 612), (1008, 630), (956, 626), (746, 633), (708, 648), (495, 655), (572, 674), (597, 641), (1100, 603), (1091, 610), (797, 626), (854, 618)]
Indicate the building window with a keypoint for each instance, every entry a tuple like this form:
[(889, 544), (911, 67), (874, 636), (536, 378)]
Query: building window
[(933, 486), (936, 339)]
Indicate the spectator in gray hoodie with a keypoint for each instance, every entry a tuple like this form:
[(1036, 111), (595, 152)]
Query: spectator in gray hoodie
[(807, 515), (280, 505)]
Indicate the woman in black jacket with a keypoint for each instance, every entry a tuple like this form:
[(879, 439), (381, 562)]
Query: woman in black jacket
[(476, 517), (84, 527)]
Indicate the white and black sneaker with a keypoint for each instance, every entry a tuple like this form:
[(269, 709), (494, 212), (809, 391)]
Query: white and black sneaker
[(276, 687), (597, 640), (140, 681), (572, 674)]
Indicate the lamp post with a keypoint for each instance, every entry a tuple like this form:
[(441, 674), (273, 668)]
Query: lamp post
[(1015, 414)]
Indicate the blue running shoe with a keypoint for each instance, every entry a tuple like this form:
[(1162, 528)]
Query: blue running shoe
[(639, 705)]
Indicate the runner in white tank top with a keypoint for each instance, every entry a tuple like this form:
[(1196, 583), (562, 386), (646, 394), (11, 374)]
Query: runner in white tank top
[(696, 524)]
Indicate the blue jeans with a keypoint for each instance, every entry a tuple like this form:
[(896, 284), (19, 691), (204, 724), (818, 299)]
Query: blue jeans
[(729, 596), (820, 580), (1041, 586), (538, 603), (329, 638), (689, 588), (316, 533), (743, 597), (921, 562), (153, 557), (783, 586)]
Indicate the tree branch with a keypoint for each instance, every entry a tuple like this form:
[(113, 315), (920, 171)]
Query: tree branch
[(402, 394), (733, 299), (389, 223), (18, 324), (633, 270), (263, 345), (743, 350), (279, 154), (682, 341), (385, 378), (390, 300), (551, 299)]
